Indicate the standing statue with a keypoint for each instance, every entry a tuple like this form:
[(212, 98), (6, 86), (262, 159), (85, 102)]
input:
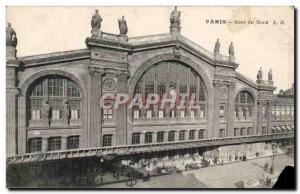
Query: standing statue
[(217, 47), (96, 23), (270, 76), (46, 109), (259, 74), (123, 26), (175, 20), (231, 49), (11, 36), (66, 110)]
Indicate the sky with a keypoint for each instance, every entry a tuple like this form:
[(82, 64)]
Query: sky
[(52, 29)]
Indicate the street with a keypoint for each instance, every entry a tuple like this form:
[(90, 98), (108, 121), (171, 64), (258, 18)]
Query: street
[(221, 176)]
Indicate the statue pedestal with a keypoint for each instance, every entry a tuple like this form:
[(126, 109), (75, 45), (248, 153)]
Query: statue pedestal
[(174, 29), (11, 53), (123, 38), (96, 34)]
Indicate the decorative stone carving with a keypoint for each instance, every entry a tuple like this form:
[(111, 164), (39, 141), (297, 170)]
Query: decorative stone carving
[(96, 72), (217, 47), (46, 108), (11, 36), (223, 92), (96, 24), (66, 110), (123, 26), (231, 50), (175, 21), (109, 84)]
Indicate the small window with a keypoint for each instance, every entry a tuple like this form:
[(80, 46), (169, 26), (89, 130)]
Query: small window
[(278, 111), (172, 114), (160, 114), (202, 111), (135, 138), (192, 134), (73, 142), (192, 113), (148, 137), (74, 114), (249, 131), (288, 111), (107, 140), (171, 136), (55, 114), (242, 131), (182, 114), (222, 133), (35, 145), (107, 114), (54, 143), (149, 114), (181, 135), (264, 130), (136, 114), (36, 115), (201, 134), (222, 111), (160, 136), (236, 132)]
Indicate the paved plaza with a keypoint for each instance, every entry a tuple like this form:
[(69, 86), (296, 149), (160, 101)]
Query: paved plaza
[(220, 176)]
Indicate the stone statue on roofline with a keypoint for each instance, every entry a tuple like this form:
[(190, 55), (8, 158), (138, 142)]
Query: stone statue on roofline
[(217, 47), (123, 26), (96, 23), (11, 36), (231, 49), (270, 76), (175, 21), (259, 74)]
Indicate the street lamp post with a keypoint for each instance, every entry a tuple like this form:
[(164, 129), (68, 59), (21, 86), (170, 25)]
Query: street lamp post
[(101, 169), (273, 158)]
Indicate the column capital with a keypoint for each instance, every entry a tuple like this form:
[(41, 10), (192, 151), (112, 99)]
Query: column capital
[(217, 83), (12, 90), (96, 72)]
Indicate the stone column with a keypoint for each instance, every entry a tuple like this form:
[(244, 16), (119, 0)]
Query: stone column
[(217, 85), (259, 117), (64, 142), (94, 136), (11, 102), (11, 121), (44, 144), (22, 124), (269, 117), (121, 115), (230, 109)]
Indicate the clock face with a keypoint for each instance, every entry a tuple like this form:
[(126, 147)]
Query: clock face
[(109, 84)]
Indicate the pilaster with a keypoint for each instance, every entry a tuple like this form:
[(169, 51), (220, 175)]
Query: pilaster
[(94, 134)]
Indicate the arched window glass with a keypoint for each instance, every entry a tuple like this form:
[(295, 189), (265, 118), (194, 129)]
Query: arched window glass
[(244, 104), (57, 91), (167, 76)]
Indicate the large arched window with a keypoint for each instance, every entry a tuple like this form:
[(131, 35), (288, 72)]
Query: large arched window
[(62, 96), (170, 77), (244, 104)]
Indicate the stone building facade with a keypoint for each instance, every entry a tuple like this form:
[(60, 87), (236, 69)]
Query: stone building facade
[(53, 100)]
